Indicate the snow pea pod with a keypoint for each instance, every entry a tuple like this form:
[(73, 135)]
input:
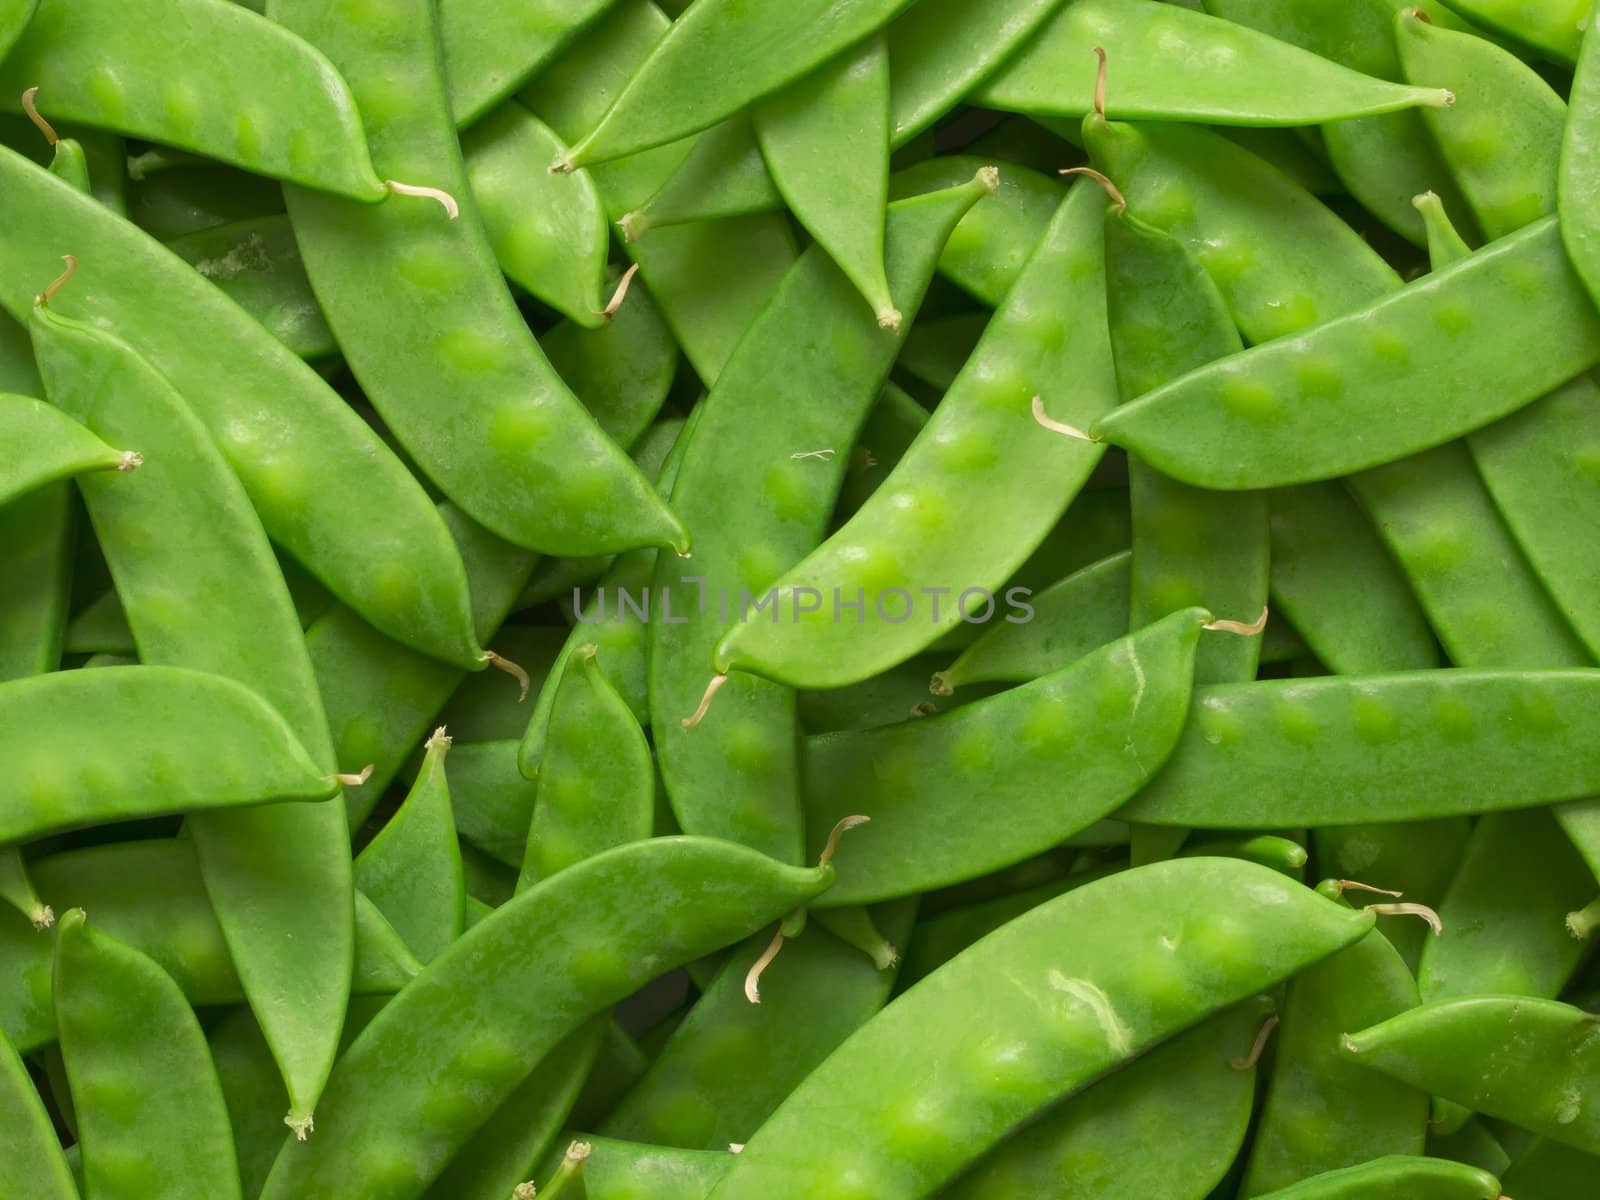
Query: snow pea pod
[(273, 417), (983, 452), (1108, 721), (1547, 1170), (1071, 990), (1115, 1141), (725, 175), (490, 49), (1396, 1177), (619, 1170), (99, 746), (1408, 372), (46, 445), (427, 1071), (1168, 63), (621, 371), (180, 91), (718, 58), (825, 139), (521, 456), (253, 1092), (151, 1117), (1553, 28), (14, 18), (778, 424), (1531, 1062), (1580, 166), (1376, 748), (28, 1140)]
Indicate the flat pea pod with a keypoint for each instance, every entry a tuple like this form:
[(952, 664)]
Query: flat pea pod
[(490, 49), (181, 92), (1108, 720), (724, 175), (256, 263), (1396, 1177), (28, 1140), (1322, 1112), (936, 349), (904, 556), (620, 1170), (549, 235), (442, 1076), (273, 417), (778, 424), (520, 456), (1168, 63), (151, 1117), (1067, 995), (412, 869), (46, 444), (198, 196), (1384, 160), (1528, 1061), (17, 890), (14, 18), (1502, 137), (622, 371), (1120, 1139), (1580, 165), (1547, 1170), (1384, 393), (891, 427), (1504, 912), (37, 534), (1069, 619), (993, 243), (717, 59), (253, 1091), (731, 1063), (1376, 748), (173, 740), (1553, 28), (596, 781), (279, 877)]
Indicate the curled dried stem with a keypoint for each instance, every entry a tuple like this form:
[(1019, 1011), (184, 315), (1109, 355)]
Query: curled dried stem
[(617, 297), (1100, 83), (752, 979), (1410, 910), (1055, 426), (59, 282), (445, 199), (1111, 189), (1242, 628), (712, 689), (357, 778), (44, 126), (1353, 885), (832, 846), (510, 668), (1260, 1044)]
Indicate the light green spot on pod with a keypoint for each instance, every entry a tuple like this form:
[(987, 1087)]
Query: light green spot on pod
[(106, 90), (972, 749), (1475, 141), (895, 766), (998, 389), (1533, 707), (528, 244), (1167, 203), (1452, 718), (1586, 461), (1296, 721), (394, 582), (1523, 278), (519, 426), (597, 966), (361, 739), (1156, 974), (1218, 726), (1286, 315), (190, 940), (1173, 591), (183, 105), (445, 1105), (128, 1170), (305, 149), (918, 510), (1047, 727), (247, 134), (106, 1092), (1216, 946), (387, 98), (1121, 680), (1439, 548), (918, 1123), (1318, 379), (475, 350), (876, 571), (428, 265), (1045, 331), (489, 1060), (1389, 348), (1374, 719), (964, 450), (682, 1115), (1227, 262), (853, 1181), (1451, 318), (724, 1049), (584, 485), (788, 490), (749, 747), (1002, 1064), (1250, 400)]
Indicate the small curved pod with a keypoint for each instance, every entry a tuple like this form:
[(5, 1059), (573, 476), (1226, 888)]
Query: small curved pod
[(956, 796), (28, 1143), (92, 747), (1378, 748), (209, 77), (1535, 1063), (1069, 991), (491, 48), (43, 445), (1396, 1177)]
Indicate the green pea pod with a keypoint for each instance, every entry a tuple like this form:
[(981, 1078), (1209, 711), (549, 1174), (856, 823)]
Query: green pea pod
[(1504, 913), (179, 91), (268, 869), (1071, 990), (992, 245), (151, 1117), (256, 264), (175, 740), (621, 371), (1473, 1145), (36, 540), (1548, 1170), (253, 1091), (17, 890), (725, 175), (33, 1156), (1384, 160), (1396, 1177), (710, 279), (1120, 1139), (412, 869), (619, 1170), (1322, 1112), (14, 18), (716, 60), (1164, 65), (1376, 748), (522, 458), (1109, 720), (1580, 165), (199, 196), (1502, 137), (533, 976), (47, 445), (489, 706), (1552, 28), (1364, 388), (549, 235), (596, 780), (778, 424), (1528, 1061), (490, 49), (273, 418), (983, 455), (937, 349), (891, 427)]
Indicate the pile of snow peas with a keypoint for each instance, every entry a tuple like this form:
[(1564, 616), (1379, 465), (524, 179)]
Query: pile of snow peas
[(805, 600)]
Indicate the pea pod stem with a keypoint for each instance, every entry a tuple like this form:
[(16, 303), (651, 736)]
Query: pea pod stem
[(445, 199), (1055, 426), (1242, 628), (612, 305), (32, 112), (59, 282), (501, 663), (1258, 1046)]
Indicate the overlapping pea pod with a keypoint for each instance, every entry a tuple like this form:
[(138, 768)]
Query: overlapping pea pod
[(1547, 1170), (1535, 1063), (619, 1170), (177, 90), (1553, 29), (520, 456), (150, 1112), (14, 17), (1378, 748), (778, 425), (1417, 859), (1396, 1177), (490, 49), (44, 445), (420, 1079), (273, 418), (34, 1161), (1071, 990), (905, 555), (1580, 165), (1173, 64)]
